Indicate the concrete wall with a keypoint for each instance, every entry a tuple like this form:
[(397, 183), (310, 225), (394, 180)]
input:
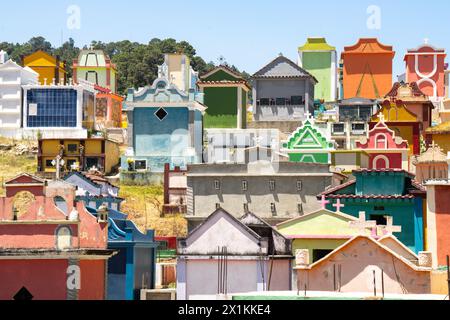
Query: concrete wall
[(202, 276), (259, 197), (357, 262), (276, 88)]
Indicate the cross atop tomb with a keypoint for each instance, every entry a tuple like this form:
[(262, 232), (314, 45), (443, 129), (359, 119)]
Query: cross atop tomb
[(426, 40), (308, 115), (324, 202), (338, 205), (362, 224), (389, 229), (381, 117)]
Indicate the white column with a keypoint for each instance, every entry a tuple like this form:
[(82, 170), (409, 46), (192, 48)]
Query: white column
[(254, 100), (79, 108), (181, 279), (239, 108)]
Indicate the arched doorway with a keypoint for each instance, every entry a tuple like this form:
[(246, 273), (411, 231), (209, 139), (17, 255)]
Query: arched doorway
[(380, 162), (63, 238)]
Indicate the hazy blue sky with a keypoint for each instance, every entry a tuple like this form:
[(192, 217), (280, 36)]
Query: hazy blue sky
[(248, 33)]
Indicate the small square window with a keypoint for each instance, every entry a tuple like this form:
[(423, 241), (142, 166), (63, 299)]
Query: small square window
[(244, 185), (48, 163), (380, 219), (72, 148), (299, 185), (140, 165)]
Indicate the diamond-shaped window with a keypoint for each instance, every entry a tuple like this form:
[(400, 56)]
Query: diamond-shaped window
[(161, 114)]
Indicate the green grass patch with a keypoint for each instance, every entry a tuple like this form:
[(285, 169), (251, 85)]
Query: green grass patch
[(221, 121)]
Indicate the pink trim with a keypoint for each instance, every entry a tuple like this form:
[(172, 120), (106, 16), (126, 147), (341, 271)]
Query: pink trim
[(332, 237)]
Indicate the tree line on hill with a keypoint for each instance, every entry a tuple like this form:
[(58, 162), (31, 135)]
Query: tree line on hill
[(137, 63)]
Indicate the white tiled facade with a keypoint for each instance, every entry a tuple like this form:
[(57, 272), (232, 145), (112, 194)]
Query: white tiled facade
[(12, 77)]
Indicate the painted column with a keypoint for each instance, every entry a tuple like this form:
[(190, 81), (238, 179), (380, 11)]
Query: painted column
[(418, 224), (79, 108), (129, 273), (181, 279), (130, 130), (306, 96), (255, 110), (431, 224), (261, 279), (333, 76), (239, 108)]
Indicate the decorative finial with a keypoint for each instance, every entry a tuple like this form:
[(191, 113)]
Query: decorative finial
[(381, 117), (426, 40), (222, 60)]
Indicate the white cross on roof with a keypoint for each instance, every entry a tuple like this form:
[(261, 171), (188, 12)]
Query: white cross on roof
[(362, 224), (389, 229)]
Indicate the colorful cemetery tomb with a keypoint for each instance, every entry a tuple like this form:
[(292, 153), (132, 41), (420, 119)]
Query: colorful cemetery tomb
[(58, 111), (346, 161), (133, 267), (439, 134), (431, 165), (357, 110), (234, 145), (282, 93), (309, 144), (12, 78), (320, 59), (226, 255), (384, 194), (275, 191), (50, 69), (363, 264), (426, 66), (415, 101), (94, 190), (51, 248), (165, 125), (226, 96), (385, 149), (367, 69), (438, 221), (178, 71), (108, 112), (96, 67), (175, 189), (402, 121), (83, 155), (352, 121), (323, 231)]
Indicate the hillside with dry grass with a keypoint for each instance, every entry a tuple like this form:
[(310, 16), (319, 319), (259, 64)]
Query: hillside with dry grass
[(142, 204), (16, 157), (144, 207)]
